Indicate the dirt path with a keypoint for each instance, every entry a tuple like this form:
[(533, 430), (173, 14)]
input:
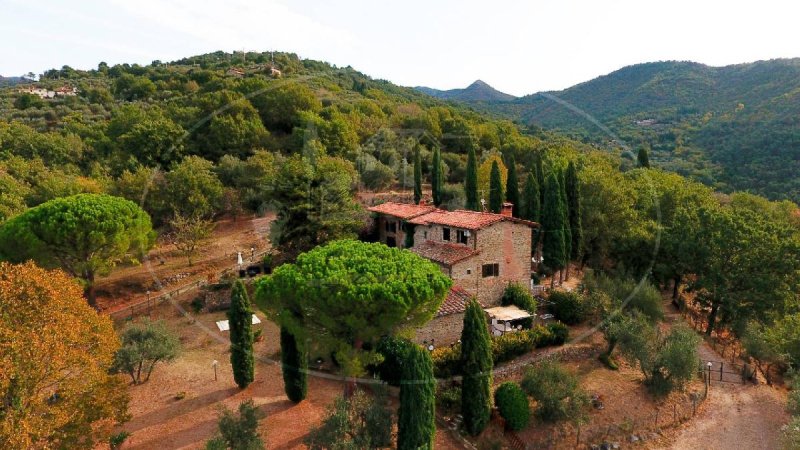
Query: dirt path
[(733, 416)]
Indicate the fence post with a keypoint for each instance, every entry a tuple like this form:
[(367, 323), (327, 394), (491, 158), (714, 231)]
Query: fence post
[(656, 424), (578, 432), (721, 363), (674, 413)]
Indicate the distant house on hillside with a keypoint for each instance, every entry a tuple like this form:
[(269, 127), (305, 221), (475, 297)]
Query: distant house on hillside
[(482, 252), (63, 91)]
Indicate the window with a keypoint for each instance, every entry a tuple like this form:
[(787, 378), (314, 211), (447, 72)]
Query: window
[(462, 236), (391, 226), (445, 234), (491, 270), (424, 235), (469, 271)]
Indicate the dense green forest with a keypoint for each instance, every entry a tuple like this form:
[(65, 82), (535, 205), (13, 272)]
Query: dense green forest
[(223, 125), (733, 128)]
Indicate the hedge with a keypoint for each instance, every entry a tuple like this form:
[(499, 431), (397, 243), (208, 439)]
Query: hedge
[(446, 360)]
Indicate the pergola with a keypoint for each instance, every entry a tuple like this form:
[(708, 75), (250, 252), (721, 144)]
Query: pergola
[(502, 318)]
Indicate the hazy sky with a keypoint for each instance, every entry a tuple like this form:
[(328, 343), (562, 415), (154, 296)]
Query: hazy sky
[(518, 47)]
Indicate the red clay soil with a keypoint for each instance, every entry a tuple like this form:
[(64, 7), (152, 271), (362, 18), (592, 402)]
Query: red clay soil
[(160, 420), (129, 284)]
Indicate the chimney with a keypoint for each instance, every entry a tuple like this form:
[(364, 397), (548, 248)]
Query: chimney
[(507, 209)]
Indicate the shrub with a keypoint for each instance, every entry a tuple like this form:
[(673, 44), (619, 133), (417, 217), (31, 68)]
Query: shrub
[(559, 334), (449, 399), (556, 391), (394, 351), (357, 422), (504, 348), (512, 345), (512, 402), (567, 307), (517, 295), (116, 440), (446, 361), (238, 431), (198, 303)]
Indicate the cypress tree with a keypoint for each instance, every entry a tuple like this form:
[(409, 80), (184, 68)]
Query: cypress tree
[(512, 187), (495, 189), (240, 321), (531, 207), (538, 171), (415, 423), (417, 176), (294, 365), (436, 177), (643, 157), (565, 209), (476, 363), (553, 245), (471, 182), (574, 206)]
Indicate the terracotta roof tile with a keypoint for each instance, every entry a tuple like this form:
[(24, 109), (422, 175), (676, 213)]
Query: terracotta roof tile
[(401, 210), (444, 253), (470, 220), (455, 302)]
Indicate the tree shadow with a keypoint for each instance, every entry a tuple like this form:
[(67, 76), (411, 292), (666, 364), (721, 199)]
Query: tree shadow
[(178, 408)]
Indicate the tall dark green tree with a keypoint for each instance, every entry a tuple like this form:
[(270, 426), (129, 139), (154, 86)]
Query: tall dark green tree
[(417, 176), (415, 424), (512, 187), (495, 189), (294, 365), (553, 224), (574, 212), (567, 229), (538, 171), (532, 208), (437, 177), (240, 319), (643, 157), (471, 182), (476, 363)]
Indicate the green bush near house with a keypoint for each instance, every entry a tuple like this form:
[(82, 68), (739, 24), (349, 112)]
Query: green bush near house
[(568, 307)]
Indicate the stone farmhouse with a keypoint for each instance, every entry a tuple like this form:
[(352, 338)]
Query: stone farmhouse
[(482, 252)]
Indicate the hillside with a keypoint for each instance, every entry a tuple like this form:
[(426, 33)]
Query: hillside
[(105, 128), (478, 91), (733, 127)]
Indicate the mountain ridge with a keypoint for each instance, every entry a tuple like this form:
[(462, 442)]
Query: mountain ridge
[(478, 91), (734, 127)]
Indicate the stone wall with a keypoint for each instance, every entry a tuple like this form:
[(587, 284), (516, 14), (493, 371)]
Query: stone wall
[(507, 244), (443, 330)]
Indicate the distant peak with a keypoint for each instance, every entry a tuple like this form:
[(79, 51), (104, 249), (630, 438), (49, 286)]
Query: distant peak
[(479, 83)]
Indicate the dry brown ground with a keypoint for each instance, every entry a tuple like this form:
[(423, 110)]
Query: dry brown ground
[(734, 415), (161, 421), (129, 284)]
